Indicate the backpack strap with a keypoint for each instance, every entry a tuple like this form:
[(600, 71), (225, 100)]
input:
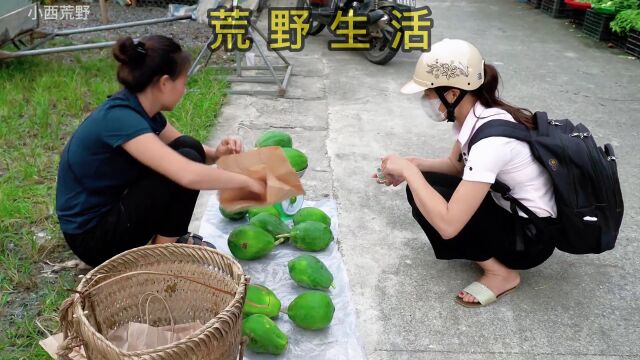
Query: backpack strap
[(513, 130), (503, 128), (509, 129)]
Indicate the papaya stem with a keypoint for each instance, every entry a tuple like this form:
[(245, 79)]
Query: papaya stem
[(279, 241), (283, 236)]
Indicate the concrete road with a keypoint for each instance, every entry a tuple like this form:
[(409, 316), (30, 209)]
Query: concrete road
[(347, 113)]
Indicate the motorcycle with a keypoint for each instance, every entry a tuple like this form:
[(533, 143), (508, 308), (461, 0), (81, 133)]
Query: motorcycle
[(379, 14)]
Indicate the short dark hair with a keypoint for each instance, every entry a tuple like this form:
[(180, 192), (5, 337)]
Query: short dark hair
[(143, 62)]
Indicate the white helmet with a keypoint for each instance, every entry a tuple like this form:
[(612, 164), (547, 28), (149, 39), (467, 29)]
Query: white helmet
[(450, 62)]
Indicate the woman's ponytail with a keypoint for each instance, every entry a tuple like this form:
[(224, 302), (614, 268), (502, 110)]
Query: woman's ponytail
[(488, 95)]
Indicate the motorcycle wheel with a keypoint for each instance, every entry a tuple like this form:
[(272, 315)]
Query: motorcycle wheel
[(315, 27), (380, 52)]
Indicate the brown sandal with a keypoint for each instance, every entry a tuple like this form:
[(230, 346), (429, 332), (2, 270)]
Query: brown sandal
[(194, 239)]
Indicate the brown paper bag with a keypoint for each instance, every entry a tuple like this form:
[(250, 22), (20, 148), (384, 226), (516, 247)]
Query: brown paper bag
[(136, 336), (130, 337), (50, 345), (268, 164)]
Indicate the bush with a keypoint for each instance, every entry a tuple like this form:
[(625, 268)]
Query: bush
[(625, 21)]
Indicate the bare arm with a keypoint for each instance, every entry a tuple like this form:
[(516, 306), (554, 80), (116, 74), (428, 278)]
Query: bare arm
[(448, 218), (449, 165), (150, 150), (169, 133), (232, 146)]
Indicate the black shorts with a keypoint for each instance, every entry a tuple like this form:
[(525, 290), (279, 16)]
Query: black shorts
[(490, 233)]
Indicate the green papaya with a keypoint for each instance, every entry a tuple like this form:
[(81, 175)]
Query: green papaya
[(311, 310), (272, 224), (274, 138), (297, 158), (311, 214), (309, 236), (264, 335), (261, 300), (268, 209), (310, 272), (235, 216), (248, 242)]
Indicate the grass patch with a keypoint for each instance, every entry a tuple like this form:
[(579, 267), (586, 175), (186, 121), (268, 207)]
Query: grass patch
[(42, 101)]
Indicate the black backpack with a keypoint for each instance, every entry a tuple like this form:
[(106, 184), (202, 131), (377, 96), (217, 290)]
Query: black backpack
[(584, 176)]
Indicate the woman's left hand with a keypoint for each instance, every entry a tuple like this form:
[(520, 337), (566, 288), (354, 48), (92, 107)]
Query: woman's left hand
[(228, 146), (395, 165)]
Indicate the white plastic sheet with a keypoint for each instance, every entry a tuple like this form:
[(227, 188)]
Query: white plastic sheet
[(340, 340)]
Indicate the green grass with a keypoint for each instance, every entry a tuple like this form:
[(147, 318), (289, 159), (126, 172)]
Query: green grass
[(42, 100)]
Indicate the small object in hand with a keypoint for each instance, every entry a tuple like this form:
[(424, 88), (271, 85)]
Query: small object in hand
[(381, 178)]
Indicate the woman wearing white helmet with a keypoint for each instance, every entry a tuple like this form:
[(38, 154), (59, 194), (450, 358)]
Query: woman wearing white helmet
[(450, 197)]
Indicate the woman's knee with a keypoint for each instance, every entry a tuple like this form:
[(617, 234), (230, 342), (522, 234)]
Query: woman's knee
[(192, 155), (190, 143), (188, 146)]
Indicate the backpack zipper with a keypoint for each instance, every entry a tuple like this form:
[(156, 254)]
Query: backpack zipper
[(573, 177), (612, 167), (594, 166)]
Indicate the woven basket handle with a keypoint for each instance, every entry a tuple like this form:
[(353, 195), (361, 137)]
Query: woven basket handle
[(71, 339), (158, 273), (243, 343), (152, 295)]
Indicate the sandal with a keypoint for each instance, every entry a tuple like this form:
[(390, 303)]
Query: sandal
[(194, 239), (482, 293)]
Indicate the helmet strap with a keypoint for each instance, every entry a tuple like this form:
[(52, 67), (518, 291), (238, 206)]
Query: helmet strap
[(451, 107)]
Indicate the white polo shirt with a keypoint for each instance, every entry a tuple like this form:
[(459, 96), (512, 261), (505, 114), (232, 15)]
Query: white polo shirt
[(508, 160)]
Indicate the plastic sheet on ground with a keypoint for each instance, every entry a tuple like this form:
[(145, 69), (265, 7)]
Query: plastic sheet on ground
[(340, 340)]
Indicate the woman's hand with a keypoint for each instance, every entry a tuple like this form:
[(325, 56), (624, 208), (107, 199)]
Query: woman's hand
[(256, 186), (389, 180), (394, 167), (228, 146), (417, 161), (395, 180)]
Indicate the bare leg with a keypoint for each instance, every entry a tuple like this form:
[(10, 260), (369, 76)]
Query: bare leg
[(497, 277), (163, 240)]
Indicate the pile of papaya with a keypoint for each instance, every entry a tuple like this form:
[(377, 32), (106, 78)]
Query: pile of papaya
[(311, 231), (297, 158), (313, 309)]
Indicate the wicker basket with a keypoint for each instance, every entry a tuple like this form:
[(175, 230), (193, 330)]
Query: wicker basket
[(197, 283)]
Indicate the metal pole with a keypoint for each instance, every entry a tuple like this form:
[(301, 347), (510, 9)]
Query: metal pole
[(200, 54), (267, 42), (17, 54), (264, 57), (122, 25), (41, 42)]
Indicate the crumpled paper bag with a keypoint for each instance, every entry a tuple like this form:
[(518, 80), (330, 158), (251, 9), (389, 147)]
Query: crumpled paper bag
[(136, 336), (130, 337), (268, 164), (50, 345)]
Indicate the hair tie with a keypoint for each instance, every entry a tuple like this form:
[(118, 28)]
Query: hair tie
[(140, 47)]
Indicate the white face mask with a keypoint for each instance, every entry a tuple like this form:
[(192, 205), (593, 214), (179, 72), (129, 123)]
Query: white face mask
[(430, 108)]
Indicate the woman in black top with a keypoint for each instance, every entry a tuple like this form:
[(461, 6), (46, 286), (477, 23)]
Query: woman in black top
[(127, 176)]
